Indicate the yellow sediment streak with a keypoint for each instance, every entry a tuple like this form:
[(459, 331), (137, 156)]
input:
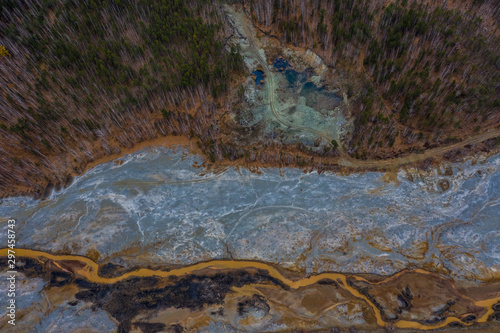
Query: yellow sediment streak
[(91, 269)]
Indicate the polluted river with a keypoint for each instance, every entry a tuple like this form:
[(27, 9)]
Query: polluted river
[(156, 242), (276, 249)]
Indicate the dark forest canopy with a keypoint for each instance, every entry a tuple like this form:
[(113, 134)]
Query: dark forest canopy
[(432, 67), (80, 79)]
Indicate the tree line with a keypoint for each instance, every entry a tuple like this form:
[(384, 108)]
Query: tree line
[(80, 79), (420, 71)]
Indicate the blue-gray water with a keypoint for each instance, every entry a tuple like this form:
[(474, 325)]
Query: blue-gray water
[(163, 210)]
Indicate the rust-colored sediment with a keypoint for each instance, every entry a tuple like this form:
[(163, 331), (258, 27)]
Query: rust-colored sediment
[(88, 269)]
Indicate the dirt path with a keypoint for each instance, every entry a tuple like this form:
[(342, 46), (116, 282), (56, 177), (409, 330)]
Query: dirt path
[(412, 158), (244, 27), (246, 32)]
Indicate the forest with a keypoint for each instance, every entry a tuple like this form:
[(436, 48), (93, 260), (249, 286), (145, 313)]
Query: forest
[(422, 72), (84, 79)]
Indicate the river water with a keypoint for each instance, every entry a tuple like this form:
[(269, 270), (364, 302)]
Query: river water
[(157, 207)]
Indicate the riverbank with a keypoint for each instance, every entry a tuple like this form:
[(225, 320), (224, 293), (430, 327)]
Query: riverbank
[(84, 166), (156, 222), (275, 130), (404, 300), (166, 204), (289, 156)]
